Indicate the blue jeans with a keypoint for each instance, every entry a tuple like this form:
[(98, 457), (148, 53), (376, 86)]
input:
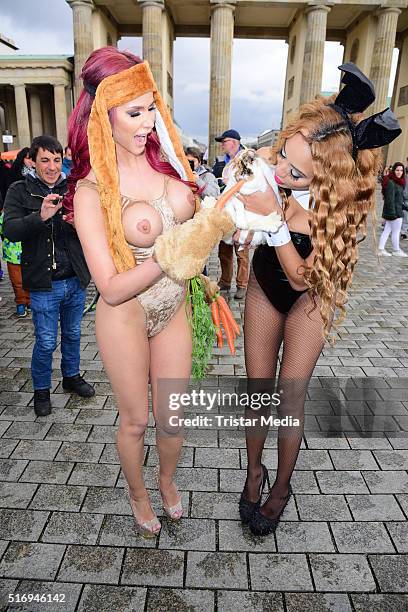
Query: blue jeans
[(65, 303)]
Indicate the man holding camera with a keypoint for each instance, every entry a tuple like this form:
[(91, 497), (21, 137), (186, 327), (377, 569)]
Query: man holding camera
[(53, 269)]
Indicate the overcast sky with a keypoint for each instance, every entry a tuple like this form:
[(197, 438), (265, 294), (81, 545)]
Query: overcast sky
[(258, 69)]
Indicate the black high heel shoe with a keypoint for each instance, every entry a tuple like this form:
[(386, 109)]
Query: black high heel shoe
[(262, 525), (246, 507)]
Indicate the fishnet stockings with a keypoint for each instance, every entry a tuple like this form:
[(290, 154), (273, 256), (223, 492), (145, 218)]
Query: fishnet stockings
[(302, 334)]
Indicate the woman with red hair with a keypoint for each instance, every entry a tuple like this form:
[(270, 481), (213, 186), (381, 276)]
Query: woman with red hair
[(129, 182)]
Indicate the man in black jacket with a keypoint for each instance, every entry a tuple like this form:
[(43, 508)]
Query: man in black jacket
[(53, 269)]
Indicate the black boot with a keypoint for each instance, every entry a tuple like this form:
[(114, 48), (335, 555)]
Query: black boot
[(42, 402), (78, 385)]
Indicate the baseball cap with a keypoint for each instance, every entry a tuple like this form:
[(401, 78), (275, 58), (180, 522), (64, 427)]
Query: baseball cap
[(228, 134)]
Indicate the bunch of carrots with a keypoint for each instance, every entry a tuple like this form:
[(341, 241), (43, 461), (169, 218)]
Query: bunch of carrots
[(221, 314), (220, 311)]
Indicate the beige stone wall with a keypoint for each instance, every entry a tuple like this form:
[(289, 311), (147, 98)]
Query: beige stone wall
[(294, 68), (382, 55), (103, 31), (364, 32), (398, 150)]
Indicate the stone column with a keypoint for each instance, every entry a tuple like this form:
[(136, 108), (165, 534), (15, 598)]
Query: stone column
[(314, 52), (60, 105), (382, 55), (83, 39), (222, 36), (36, 118), (46, 97), (152, 37), (23, 123)]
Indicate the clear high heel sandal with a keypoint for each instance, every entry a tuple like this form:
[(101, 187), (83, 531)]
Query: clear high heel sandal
[(147, 529), (174, 512)]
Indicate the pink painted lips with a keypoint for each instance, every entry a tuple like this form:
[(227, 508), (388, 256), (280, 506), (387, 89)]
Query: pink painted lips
[(277, 179)]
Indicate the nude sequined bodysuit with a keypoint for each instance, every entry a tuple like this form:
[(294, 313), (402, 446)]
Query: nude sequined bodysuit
[(161, 300)]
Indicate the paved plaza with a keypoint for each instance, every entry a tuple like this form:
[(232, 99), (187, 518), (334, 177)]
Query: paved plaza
[(66, 526)]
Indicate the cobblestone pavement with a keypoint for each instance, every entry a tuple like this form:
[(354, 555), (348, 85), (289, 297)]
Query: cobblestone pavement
[(66, 527)]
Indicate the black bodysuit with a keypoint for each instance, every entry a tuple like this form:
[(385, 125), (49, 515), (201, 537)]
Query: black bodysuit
[(270, 276)]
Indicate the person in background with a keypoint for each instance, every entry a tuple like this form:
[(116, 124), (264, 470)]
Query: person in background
[(205, 178), (393, 189), (12, 256), (231, 144), (53, 269), (12, 250), (404, 228), (4, 180), (67, 161), (21, 166)]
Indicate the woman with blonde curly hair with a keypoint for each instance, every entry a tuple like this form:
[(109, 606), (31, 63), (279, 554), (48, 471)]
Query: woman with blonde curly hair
[(296, 285)]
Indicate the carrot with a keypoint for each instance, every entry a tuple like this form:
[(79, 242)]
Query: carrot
[(223, 199), (224, 306), (216, 318), (228, 331)]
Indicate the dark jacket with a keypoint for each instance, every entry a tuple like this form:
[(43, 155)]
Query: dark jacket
[(219, 166), (4, 178), (393, 201), (50, 250)]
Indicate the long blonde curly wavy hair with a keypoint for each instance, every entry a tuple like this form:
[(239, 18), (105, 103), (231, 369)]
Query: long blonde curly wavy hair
[(343, 191)]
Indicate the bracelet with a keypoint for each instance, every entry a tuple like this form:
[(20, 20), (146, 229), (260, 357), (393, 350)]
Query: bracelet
[(279, 238)]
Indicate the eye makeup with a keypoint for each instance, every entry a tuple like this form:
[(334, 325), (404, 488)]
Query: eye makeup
[(135, 111), (294, 173)]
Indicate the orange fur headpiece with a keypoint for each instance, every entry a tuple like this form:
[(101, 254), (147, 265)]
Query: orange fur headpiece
[(114, 91)]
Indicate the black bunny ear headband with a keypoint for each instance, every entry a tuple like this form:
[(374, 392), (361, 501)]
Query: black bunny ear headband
[(357, 95)]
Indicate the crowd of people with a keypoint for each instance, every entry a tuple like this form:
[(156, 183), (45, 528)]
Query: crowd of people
[(130, 181)]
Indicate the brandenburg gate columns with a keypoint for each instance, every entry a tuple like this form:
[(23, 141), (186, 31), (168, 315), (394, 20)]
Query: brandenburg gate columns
[(158, 37), (152, 36), (23, 122), (360, 41), (382, 55), (222, 35), (36, 117), (83, 37), (304, 69), (314, 52), (60, 112)]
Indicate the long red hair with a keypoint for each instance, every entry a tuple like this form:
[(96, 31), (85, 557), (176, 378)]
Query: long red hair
[(100, 64)]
